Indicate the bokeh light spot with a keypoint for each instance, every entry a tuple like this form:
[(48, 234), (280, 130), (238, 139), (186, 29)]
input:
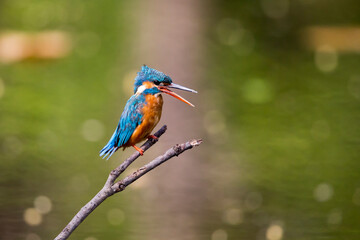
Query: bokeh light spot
[(52, 44), (257, 91), (233, 216), (14, 46), (275, 8), (253, 201), (93, 130), (326, 59), (323, 192), (334, 217), (43, 204), (32, 217), (115, 216), (274, 232), (32, 236), (219, 234)]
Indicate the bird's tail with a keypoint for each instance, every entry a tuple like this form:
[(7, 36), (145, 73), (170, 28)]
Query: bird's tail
[(110, 148)]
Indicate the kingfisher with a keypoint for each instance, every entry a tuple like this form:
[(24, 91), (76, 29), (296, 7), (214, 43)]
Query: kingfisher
[(142, 111)]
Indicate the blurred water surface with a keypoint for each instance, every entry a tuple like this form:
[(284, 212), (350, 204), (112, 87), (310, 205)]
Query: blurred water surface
[(279, 106)]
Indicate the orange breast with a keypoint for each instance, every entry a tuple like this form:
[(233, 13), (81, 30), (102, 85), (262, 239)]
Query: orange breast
[(151, 116)]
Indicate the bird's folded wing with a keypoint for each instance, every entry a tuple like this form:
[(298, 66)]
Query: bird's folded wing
[(130, 119)]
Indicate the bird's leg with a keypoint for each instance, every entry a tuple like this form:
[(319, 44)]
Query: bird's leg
[(152, 137), (139, 150)]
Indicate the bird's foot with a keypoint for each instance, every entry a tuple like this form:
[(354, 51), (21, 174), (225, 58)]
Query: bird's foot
[(139, 150), (153, 137)]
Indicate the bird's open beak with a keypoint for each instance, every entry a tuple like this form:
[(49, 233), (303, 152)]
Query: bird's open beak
[(165, 89), (177, 86)]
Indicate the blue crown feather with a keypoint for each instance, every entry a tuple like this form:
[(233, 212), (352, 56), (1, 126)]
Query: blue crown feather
[(152, 75)]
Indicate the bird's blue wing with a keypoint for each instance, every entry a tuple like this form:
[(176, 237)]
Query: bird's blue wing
[(129, 120)]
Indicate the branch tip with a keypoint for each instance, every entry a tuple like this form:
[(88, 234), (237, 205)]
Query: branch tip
[(196, 142), (161, 131)]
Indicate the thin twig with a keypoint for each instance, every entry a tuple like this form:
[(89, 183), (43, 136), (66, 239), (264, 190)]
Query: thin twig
[(111, 187)]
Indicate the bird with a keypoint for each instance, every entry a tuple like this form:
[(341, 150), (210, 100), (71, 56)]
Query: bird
[(143, 110)]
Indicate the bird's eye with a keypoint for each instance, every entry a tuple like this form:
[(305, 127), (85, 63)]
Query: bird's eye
[(156, 82)]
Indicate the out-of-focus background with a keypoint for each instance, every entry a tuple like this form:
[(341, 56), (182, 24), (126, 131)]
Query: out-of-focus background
[(278, 109)]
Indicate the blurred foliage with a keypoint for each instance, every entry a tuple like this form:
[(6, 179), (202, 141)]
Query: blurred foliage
[(44, 109), (295, 125), (285, 122)]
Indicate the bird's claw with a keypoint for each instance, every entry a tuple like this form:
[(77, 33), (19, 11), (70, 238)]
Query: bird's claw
[(153, 137), (139, 150)]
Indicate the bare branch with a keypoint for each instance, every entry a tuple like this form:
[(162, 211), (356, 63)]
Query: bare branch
[(111, 188), (114, 174), (174, 151)]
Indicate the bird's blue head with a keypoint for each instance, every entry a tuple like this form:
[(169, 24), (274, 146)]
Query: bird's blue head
[(148, 74), (151, 81)]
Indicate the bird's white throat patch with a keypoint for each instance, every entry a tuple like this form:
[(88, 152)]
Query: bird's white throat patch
[(140, 89)]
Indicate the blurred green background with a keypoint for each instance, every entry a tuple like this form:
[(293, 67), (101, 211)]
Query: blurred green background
[(278, 111)]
